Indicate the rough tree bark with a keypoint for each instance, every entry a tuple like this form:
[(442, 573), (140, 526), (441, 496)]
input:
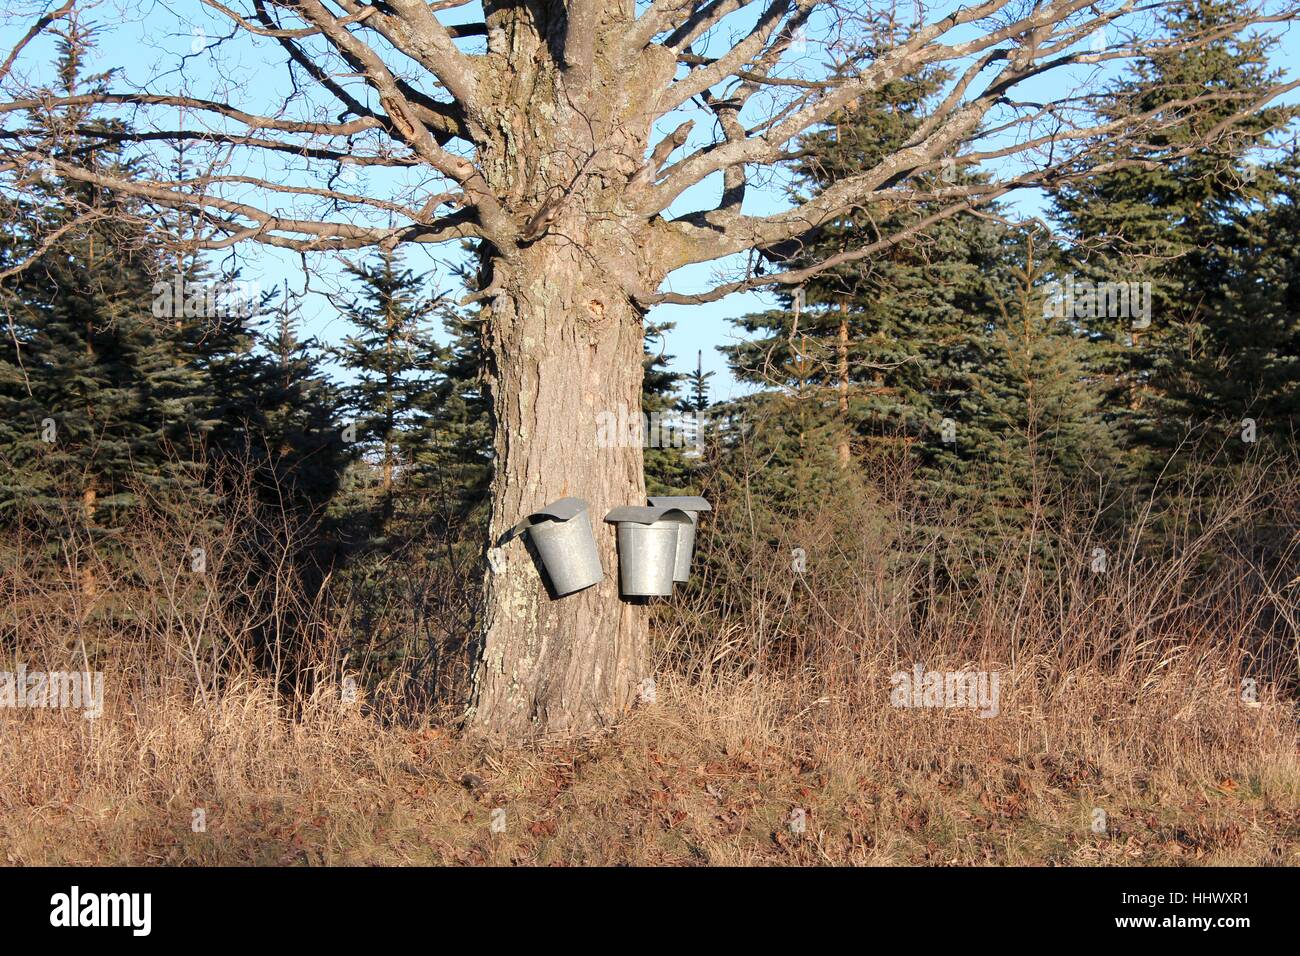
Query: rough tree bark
[(565, 345)]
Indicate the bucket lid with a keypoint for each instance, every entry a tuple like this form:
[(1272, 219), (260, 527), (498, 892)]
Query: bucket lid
[(641, 514), (685, 502), (561, 510)]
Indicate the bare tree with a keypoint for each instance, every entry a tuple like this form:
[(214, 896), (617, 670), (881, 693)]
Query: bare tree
[(563, 137)]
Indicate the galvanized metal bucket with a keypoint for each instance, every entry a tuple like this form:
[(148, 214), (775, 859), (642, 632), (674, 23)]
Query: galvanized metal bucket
[(647, 548), (562, 537), (692, 505)]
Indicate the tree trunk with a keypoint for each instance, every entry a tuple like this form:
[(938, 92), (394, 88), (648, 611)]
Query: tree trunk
[(89, 504), (564, 346), (562, 350)]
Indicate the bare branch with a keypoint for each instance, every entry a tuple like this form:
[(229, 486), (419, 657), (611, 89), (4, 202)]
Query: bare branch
[(34, 31), (269, 228)]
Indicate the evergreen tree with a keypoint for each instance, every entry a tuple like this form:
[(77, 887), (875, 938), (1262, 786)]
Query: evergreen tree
[(299, 444), (392, 358), (97, 395), (1248, 364), (1028, 427), (450, 440), (671, 435), (868, 357), (282, 437), (697, 387), (215, 316), (1161, 221)]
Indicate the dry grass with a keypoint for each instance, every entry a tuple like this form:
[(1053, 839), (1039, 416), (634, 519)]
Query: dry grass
[(704, 776)]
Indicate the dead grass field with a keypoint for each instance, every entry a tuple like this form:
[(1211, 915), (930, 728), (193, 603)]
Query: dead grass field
[(706, 775)]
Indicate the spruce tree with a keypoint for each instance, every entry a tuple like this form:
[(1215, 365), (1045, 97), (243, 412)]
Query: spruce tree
[(866, 359), (670, 434), (1158, 217), (1248, 365), (1029, 427), (300, 443), (450, 438), (697, 387), (97, 395), (392, 357)]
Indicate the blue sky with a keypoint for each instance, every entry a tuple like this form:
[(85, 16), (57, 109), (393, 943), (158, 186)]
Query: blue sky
[(151, 39)]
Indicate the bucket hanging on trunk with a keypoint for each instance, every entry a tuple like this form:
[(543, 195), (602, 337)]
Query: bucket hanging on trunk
[(647, 548), (562, 536), (692, 505)]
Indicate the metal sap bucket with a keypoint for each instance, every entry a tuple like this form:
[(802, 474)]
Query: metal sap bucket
[(647, 548), (692, 505), (562, 537)]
